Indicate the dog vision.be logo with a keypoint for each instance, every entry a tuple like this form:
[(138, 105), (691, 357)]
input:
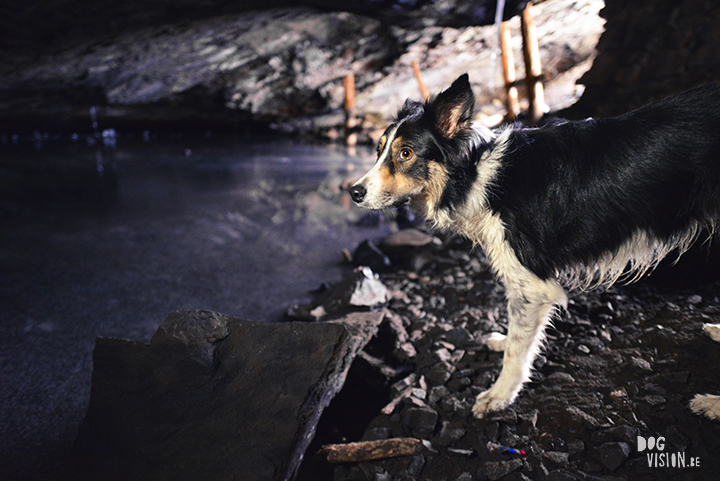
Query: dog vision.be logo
[(657, 457)]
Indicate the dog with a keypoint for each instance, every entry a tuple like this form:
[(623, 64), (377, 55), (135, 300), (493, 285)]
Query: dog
[(569, 205)]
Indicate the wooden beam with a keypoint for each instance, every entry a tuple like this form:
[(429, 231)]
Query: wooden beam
[(350, 119), (423, 88), (508, 63), (371, 450), (533, 71)]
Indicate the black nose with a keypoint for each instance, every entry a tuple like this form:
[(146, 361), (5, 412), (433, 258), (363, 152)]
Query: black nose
[(357, 192)]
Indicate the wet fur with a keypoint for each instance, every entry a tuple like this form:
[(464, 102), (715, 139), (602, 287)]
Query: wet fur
[(568, 205)]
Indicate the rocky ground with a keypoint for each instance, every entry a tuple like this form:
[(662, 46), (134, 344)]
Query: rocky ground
[(617, 365)]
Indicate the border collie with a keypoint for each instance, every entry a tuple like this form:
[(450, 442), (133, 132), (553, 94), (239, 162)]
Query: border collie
[(569, 205)]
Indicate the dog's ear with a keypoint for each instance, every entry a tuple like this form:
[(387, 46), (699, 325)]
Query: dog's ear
[(454, 107)]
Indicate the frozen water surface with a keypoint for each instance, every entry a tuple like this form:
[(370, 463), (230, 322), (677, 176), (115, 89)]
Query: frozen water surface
[(105, 241)]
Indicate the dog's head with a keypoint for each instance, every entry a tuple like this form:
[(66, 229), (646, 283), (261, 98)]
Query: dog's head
[(414, 154)]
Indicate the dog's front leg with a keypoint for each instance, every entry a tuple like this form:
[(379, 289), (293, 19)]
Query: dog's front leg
[(530, 309)]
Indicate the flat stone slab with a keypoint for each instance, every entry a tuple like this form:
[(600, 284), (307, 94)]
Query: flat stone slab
[(214, 397)]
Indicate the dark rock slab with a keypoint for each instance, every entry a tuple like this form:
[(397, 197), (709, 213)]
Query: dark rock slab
[(214, 397)]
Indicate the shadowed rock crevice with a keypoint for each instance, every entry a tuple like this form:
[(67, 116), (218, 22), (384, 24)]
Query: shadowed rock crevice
[(650, 50)]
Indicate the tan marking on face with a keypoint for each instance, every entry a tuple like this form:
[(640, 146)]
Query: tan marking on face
[(401, 163), (433, 189), (386, 178), (395, 150), (381, 144), (399, 185), (404, 185), (385, 189)]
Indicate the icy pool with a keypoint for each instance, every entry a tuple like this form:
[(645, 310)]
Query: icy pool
[(103, 240)]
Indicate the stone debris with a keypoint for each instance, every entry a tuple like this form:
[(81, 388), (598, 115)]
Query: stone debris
[(612, 455), (498, 469), (360, 289), (583, 411), (558, 458), (640, 365), (421, 420), (407, 239)]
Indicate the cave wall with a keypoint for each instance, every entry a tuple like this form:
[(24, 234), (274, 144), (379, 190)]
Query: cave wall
[(649, 50), (44, 25), (278, 68)]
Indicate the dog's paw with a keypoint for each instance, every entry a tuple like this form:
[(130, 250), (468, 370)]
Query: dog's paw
[(488, 402), (496, 342), (706, 405), (712, 330)]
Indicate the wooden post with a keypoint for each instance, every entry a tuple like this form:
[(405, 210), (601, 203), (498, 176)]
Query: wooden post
[(423, 88), (371, 450), (350, 119), (533, 72), (508, 63)]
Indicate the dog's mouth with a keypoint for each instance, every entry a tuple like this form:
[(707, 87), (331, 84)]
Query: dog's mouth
[(401, 202), (388, 204), (377, 201)]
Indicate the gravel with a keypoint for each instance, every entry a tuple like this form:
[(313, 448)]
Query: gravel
[(617, 365)]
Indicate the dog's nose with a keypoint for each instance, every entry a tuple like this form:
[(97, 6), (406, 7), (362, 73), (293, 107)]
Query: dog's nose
[(357, 192)]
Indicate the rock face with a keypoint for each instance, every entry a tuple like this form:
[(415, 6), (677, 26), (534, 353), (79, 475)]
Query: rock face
[(281, 67), (648, 51), (77, 20), (260, 65), (213, 397)]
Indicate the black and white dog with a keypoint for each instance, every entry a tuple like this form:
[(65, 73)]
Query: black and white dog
[(568, 205)]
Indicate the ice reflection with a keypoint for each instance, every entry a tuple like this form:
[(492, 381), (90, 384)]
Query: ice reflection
[(245, 227)]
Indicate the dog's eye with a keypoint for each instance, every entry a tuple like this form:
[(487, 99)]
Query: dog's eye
[(405, 154)]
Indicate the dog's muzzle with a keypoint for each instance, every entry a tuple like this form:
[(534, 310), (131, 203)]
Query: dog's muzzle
[(357, 193)]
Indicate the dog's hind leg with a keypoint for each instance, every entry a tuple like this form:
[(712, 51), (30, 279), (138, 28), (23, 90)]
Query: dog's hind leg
[(530, 309), (708, 404)]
